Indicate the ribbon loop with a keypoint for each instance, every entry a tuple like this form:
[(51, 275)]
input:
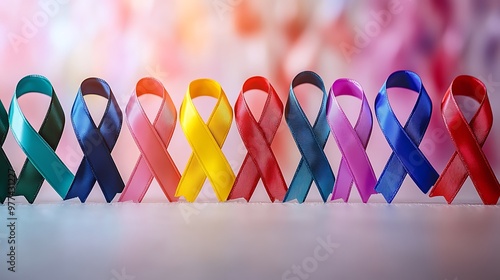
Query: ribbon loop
[(311, 141), (206, 140), (260, 161), (406, 157), (352, 142), (152, 141), (7, 174), (42, 162), (468, 137), (96, 142)]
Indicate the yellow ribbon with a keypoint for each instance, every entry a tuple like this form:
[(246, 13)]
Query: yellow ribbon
[(206, 140)]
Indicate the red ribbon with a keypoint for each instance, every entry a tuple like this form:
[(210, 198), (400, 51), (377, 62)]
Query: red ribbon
[(260, 161), (468, 137)]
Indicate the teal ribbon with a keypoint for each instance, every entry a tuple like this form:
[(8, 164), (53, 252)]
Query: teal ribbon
[(6, 170), (39, 147), (310, 140)]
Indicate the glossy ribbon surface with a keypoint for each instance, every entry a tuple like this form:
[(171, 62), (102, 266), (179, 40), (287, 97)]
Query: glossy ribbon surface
[(260, 161), (406, 157), (468, 137), (311, 141), (96, 142), (6, 170), (39, 147), (152, 141), (352, 142), (206, 140)]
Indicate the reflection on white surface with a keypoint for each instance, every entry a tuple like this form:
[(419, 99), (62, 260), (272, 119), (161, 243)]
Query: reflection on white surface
[(253, 241)]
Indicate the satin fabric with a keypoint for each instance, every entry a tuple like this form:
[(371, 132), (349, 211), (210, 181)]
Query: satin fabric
[(257, 136), (355, 164), (7, 174), (42, 162), (152, 141), (96, 142), (310, 140), (206, 140), (468, 138), (406, 157)]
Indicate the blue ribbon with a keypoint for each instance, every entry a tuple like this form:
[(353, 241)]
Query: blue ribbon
[(406, 157), (311, 141), (96, 143)]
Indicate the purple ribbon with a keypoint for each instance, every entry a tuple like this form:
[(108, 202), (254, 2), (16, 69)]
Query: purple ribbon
[(355, 165)]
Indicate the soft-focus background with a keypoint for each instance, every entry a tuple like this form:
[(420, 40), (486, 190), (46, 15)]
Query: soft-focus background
[(231, 40)]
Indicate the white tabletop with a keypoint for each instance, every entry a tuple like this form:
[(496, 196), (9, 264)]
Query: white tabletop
[(128, 241)]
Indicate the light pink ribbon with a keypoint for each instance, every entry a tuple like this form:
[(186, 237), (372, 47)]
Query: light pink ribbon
[(352, 142), (152, 141)]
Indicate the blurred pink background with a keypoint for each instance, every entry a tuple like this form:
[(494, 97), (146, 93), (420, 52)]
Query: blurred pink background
[(231, 40)]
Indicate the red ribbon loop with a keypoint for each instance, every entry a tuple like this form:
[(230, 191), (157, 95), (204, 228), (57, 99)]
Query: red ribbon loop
[(468, 137), (260, 161)]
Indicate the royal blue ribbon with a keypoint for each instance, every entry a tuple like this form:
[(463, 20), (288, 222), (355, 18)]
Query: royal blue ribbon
[(96, 143), (406, 157), (311, 141)]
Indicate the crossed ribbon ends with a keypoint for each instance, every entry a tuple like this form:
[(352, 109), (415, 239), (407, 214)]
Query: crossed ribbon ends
[(310, 140), (355, 165), (96, 142), (406, 156), (152, 139), (206, 140), (468, 137), (260, 161), (42, 163)]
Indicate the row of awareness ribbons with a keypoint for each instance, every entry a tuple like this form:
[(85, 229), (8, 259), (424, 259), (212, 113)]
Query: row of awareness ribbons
[(206, 140)]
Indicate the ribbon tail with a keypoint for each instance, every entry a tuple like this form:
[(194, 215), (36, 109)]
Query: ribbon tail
[(29, 182), (192, 180), (343, 184), (391, 178), (83, 183), (246, 180), (449, 183), (6, 172), (138, 184), (300, 185)]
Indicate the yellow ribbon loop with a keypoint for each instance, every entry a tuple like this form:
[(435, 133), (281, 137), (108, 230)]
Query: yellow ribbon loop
[(206, 140)]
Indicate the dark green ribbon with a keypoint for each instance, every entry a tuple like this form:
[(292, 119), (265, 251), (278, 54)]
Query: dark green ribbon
[(7, 174)]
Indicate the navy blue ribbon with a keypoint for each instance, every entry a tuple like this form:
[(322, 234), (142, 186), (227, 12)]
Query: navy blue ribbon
[(406, 157), (311, 141), (96, 143)]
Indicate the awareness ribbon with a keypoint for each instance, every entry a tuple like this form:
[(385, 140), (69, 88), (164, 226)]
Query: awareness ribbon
[(39, 147), (468, 137), (96, 143), (260, 161), (206, 140), (152, 141), (406, 157), (311, 141), (352, 142), (6, 170)]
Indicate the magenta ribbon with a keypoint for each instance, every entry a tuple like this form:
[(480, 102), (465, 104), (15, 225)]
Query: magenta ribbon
[(355, 165)]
